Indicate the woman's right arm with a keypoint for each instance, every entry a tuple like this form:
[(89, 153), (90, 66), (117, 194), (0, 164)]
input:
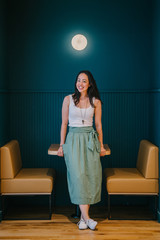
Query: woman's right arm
[(65, 116)]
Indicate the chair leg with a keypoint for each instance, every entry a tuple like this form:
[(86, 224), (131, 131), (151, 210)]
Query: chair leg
[(4, 206), (155, 208), (109, 207), (50, 206), (53, 200), (78, 212)]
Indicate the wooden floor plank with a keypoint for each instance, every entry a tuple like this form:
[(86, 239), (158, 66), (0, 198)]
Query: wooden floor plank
[(63, 226)]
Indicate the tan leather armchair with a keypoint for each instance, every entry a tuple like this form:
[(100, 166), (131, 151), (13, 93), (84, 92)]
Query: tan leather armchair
[(16, 180), (142, 180)]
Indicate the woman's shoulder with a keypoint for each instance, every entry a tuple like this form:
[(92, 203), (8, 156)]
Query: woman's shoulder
[(97, 102), (68, 98)]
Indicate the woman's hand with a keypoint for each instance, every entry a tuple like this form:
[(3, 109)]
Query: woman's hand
[(60, 152), (103, 151)]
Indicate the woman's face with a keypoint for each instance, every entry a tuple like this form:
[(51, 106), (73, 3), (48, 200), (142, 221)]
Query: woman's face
[(82, 83)]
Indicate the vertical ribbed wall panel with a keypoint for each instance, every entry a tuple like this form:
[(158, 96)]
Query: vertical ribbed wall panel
[(125, 123), (4, 117), (35, 120)]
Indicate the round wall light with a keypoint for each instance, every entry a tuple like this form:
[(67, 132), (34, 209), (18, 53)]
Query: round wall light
[(79, 42)]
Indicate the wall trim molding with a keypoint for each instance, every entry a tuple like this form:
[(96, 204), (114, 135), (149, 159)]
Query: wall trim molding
[(4, 91), (67, 91)]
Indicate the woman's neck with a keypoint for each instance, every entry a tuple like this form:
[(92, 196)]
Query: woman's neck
[(83, 96)]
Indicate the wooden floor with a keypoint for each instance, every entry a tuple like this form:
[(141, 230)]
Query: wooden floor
[(62, 226)]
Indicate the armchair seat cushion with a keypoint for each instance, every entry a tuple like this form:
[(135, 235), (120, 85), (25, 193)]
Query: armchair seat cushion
[(30, 180), (129, 180)]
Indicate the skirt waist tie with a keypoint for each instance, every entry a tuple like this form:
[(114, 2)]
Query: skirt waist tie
[(93, 141), (93, 137)]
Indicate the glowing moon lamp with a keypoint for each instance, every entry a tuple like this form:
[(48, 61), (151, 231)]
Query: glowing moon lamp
[(79, 42)]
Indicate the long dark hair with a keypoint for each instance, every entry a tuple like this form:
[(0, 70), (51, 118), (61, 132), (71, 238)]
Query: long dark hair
[(92, 90)]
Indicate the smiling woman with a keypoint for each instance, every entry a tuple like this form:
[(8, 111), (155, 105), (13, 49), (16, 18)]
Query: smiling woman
[(83, 146), (79, 42)]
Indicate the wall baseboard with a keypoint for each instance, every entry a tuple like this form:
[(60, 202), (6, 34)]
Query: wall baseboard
[(0, 215), (158, 216)]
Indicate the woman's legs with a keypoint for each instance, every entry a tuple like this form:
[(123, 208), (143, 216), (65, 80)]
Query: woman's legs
[(84, 211), (85, 216)]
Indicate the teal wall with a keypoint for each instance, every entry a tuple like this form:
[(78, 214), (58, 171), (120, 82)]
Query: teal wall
[(4, 116), (156, 44), (155, 96), (119, 49), (4, 106), (41, 69)]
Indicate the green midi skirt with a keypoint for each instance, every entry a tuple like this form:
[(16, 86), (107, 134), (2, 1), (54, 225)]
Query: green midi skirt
[(84, 170)]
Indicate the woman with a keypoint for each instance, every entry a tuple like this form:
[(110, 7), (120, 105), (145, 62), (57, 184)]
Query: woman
[(83, 146)]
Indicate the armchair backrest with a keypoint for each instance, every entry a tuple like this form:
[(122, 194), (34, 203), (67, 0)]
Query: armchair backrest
[(147, 161), (10, 160)]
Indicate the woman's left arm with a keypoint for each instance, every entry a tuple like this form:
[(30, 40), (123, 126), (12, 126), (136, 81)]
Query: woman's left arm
[(98, 124)]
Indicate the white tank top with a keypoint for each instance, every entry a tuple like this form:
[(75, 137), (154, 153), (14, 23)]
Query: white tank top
[(76, 115)]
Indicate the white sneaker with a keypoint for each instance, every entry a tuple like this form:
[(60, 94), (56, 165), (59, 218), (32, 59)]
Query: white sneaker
[(82, 225), (91, 224)]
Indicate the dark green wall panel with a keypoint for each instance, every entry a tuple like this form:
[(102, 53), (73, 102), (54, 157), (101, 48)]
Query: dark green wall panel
[(3, 66), (4, 118), (155, 97), (119, 52), (35, 120), (4, 107)]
